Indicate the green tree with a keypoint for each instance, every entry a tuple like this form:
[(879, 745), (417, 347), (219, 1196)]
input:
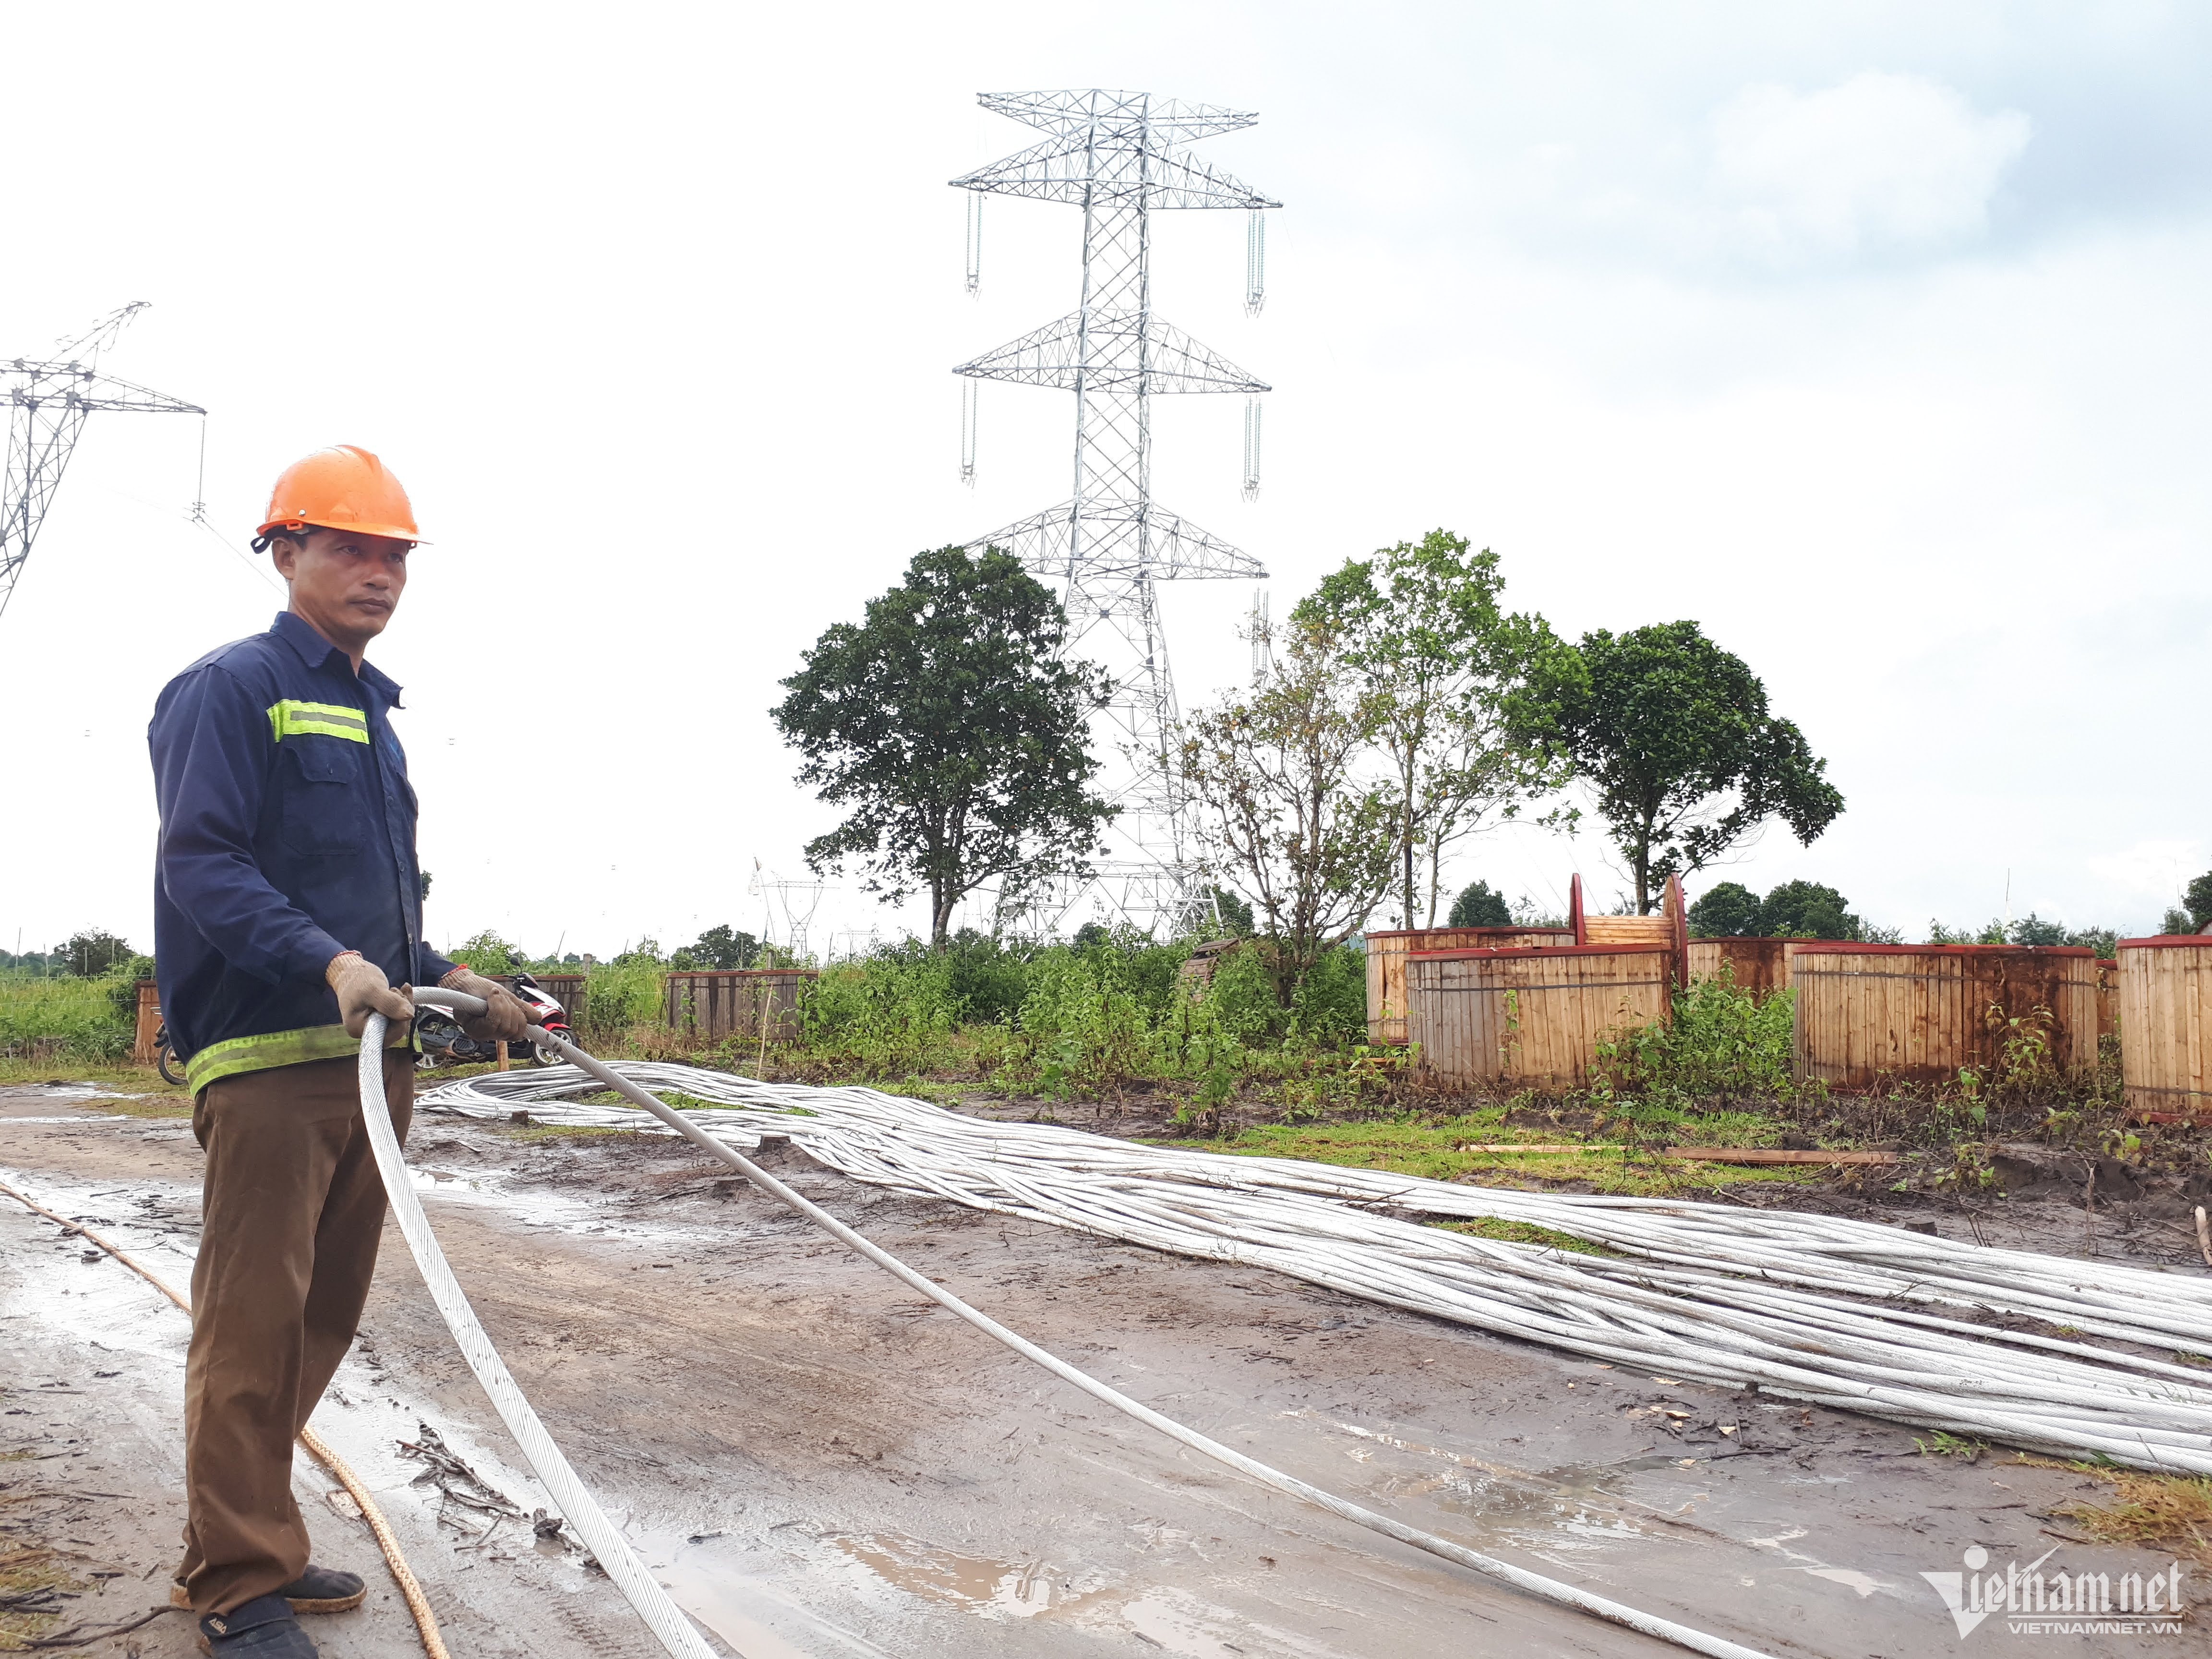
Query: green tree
[(2032, 929), (1285, 815), (951, 731), (1805, 910), (1234, 912), (720, 947), (1479, 905), (2196, 898), (489, 954), (1673, 739), (1728, 910), (94, 952), (1421, 624)]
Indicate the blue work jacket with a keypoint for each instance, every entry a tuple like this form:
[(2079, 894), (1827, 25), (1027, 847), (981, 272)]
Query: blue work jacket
[(287, 835)]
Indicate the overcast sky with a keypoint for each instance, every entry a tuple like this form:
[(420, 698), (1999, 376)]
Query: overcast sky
[(1869, 335)]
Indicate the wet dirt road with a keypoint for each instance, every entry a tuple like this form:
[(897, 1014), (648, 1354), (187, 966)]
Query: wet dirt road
[(818, 1462)]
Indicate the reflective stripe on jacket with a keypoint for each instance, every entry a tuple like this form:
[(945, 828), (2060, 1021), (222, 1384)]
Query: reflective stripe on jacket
[(287, 835)]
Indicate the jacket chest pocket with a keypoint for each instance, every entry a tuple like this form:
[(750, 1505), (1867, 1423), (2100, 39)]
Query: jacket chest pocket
[(324, 806)]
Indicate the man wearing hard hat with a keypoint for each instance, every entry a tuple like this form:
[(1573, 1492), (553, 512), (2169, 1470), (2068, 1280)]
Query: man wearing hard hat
[(287, 907)]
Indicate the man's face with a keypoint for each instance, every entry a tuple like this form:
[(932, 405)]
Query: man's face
[(346, 584)]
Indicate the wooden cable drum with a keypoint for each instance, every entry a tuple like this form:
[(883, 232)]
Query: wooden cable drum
[(149, 1010), (739, 1002), (1386, 965), (1872, 1014), (2166, 1026), (1530, 1018), (1667, 927), (1761, 966)]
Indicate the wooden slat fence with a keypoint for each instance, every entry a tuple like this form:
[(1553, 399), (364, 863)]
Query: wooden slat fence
[(739, 1002), (1761, 966), (1386, 964), (1530, 1018), (1872, 1014), (2166, 1024)]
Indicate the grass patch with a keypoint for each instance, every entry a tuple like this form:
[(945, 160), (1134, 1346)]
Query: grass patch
[(1438, 1148), (560, 1131), (22, 1572), (1524, 1232), (2170, 1511)]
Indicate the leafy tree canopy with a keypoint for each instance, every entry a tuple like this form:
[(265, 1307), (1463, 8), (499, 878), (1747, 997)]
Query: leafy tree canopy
[(719, 947), (1673, 737), (1286, 814), (1421, 625), (1728, 910), (1479, 905), (2196, 898), (2032, 929), (94, 952), (1236, 913), (954, 734), (1807, 909)]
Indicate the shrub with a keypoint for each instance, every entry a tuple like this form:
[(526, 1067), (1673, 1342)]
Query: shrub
[(623, 992), (72, 1018), (489, 954), (1330, 1004), (1724, 1044)]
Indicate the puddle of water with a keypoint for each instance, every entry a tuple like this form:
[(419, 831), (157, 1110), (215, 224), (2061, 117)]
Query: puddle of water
[(1007, 1588), (75, 1117), (1864, 1583), (752, 1615), (1568, 1509)]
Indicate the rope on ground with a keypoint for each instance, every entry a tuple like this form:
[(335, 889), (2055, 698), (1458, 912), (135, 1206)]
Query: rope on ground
[(418, 1604), (1534, 1584)]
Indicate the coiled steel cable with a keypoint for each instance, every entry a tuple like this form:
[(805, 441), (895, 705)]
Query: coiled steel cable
[(1806, 1308)]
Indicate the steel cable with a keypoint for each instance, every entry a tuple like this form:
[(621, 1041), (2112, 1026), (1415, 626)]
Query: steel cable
[(599, 1535), (1534, 1584), (1806, 1308)]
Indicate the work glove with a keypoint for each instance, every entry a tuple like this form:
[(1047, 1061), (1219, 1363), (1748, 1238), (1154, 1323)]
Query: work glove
[(363, 990), (505, 1019)]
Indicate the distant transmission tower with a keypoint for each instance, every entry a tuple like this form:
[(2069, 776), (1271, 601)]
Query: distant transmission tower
[(1108, 545), (47, 402)]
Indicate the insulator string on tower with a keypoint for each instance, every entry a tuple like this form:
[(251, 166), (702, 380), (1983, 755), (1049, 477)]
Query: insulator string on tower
[(1255, 262), (1251, 449), (971, 393), (975, 241)]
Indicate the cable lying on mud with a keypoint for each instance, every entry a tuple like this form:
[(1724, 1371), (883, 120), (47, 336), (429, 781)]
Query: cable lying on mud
[(600, 1535), (419, 1605), (584, 1065), (1817, 1308)]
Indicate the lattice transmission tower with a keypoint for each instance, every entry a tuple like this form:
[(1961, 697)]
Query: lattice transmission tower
[(1116, 155), (47, 403)]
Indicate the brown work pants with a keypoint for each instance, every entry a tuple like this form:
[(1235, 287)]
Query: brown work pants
[(292, 1214)]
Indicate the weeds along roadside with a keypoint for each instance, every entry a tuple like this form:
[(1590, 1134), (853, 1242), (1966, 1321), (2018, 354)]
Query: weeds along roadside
[(1115, 1020)]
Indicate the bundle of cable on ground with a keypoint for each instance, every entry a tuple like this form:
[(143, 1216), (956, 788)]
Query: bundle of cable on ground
[(1821, 1310)]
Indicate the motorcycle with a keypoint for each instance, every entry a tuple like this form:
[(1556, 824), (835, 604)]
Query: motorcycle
[(444, 1043), (165, 1057)]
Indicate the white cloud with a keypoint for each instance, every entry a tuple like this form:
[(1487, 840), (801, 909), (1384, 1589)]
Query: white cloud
[(2156, 870), (1881, 163)]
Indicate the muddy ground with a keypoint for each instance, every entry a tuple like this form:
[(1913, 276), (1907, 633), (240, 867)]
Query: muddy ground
[(817, 1462)]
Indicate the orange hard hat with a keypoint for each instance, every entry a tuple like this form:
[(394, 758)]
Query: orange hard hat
[(341, 488)]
